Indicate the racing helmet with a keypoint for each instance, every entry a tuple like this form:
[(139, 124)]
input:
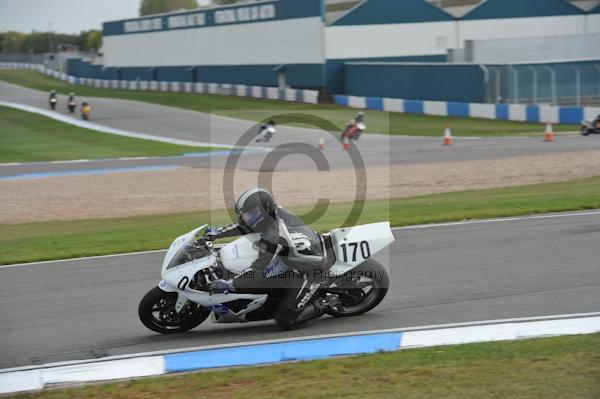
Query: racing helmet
[(256, 208)]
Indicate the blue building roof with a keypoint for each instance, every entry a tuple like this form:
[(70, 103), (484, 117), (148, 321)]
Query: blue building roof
[(521, 9), (375, 12)]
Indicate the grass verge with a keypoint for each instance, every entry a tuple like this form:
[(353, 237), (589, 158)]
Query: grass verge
[(259, 109), (563, 367), (28, 137), (59, 240)]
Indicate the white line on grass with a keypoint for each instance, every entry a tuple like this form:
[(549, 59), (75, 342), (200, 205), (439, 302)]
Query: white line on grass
[(420, 226)]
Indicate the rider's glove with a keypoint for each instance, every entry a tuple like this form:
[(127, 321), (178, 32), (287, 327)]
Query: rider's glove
[(210, 233), (221, 286)]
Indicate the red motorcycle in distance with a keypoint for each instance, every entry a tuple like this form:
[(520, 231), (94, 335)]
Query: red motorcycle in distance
[(355, 128), (353, 131)]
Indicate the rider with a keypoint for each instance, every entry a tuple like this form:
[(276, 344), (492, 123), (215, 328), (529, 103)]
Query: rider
[(359, 118), (52, 95), (269, 126), (71, 97), (284, 237)]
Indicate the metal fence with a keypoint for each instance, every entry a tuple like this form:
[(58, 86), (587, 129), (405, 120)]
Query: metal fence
[(569, 83)]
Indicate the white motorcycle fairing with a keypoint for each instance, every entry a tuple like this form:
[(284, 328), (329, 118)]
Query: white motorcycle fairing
[(352, 246), (177, 279)]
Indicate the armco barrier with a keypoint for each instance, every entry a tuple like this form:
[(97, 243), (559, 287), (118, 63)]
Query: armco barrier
[(511, 112), (273, 93), (276, 351)]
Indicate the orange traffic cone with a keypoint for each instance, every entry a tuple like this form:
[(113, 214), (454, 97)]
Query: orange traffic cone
[(549, 134), (321, 143), (346, 143), (447, 136)]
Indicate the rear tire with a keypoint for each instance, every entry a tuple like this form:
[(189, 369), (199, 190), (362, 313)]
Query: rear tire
[(363, 301), (157, 312)]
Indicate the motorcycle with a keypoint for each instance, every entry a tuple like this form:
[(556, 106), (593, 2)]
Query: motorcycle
[(265, 134), (353, 131), (71, 106), (86, 110), (182, 301), (590, 126), (52, 103)]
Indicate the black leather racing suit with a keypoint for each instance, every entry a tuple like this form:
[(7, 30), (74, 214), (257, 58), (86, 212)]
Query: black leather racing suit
[(288, 240)]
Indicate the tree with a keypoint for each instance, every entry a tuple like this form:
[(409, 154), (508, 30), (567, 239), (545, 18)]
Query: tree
[(159, 6), (12, 42), (93, 40)]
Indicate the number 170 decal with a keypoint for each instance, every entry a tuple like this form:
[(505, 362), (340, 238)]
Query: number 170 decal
[(353, 247)]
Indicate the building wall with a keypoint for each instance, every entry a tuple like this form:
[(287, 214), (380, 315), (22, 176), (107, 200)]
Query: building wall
[(413, 30), (567, 47), (243, 44), (298, 41), (234, 44), (437, 82)]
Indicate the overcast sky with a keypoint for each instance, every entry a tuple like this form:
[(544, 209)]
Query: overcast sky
[(66, 16)]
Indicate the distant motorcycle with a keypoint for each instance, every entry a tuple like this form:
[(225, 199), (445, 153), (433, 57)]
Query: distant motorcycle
[(71, 106), (590, 126), (354, 130), (86, 111), (266, 133), (52, 103)]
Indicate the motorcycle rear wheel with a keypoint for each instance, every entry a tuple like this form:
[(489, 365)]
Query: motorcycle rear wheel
[(157, 313), (585, 131), (363, 293)]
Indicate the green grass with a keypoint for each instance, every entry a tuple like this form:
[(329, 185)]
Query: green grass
[(68, 239), (28, 137), (259, 109), (563, 367)]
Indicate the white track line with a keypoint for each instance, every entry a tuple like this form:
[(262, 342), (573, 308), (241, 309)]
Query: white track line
[(496, 220), (420, 226), (106, 129), (303, 338)]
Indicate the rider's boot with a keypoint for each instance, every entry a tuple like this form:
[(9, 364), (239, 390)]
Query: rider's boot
[(312, 310)]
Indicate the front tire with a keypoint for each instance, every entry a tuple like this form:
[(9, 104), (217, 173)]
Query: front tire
[(363, 293), (585, 131), (157, 313)]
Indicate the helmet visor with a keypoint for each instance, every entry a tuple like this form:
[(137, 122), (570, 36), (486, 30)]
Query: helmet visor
[(252, 217)]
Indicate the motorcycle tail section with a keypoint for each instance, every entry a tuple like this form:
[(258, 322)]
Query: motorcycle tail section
[(354, 245)]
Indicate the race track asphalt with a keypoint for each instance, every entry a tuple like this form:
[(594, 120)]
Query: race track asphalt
[(375, 149), (87, 308)]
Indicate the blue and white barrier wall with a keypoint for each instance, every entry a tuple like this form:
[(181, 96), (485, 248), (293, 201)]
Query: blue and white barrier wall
[(271, 93), (298, 349), (510, 112)]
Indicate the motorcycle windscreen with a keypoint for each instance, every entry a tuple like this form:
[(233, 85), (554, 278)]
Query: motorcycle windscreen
[(186, 254)]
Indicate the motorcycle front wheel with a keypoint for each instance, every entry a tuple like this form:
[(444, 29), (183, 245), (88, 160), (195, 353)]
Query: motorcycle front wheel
[(157, 312), (360, 290)]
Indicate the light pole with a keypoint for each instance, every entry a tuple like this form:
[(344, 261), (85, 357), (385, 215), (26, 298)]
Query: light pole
[(597, 67), (577, 85), (486, 79), (535, 83), (552, 83), (515, 84)]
